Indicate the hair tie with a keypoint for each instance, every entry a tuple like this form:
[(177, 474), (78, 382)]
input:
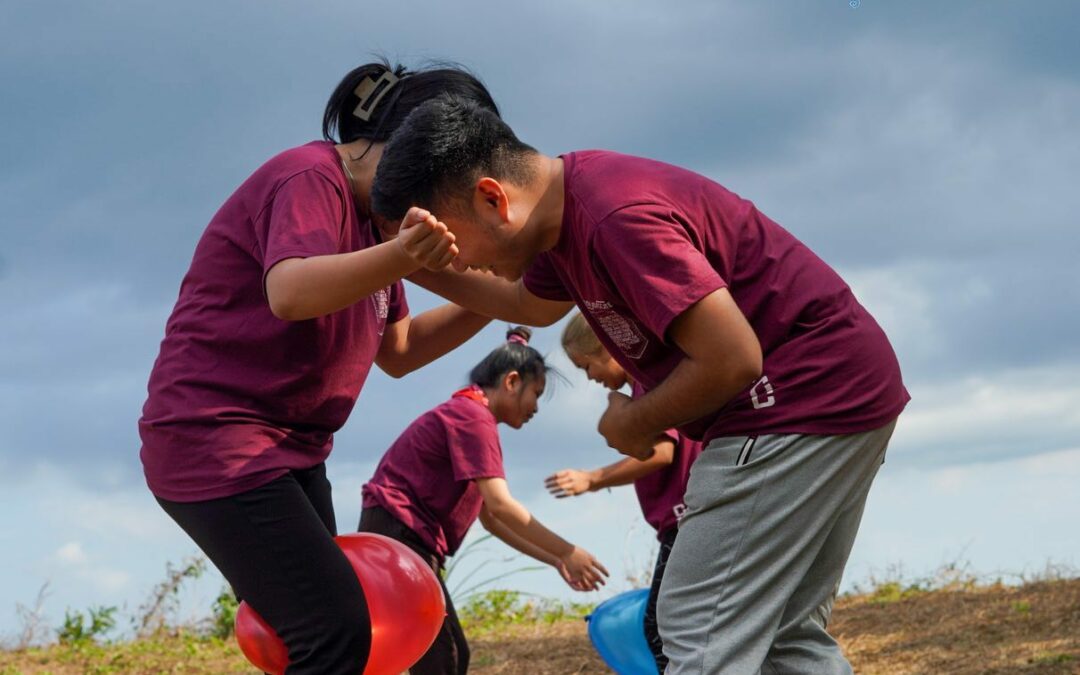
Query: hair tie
[(518, 339), (370, 91)]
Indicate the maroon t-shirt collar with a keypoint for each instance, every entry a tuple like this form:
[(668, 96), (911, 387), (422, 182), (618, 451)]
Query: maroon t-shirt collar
[(473, 392)]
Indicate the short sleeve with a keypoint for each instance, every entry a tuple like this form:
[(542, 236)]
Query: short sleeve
[(399, 306), (305, 218), (543, 281), (653, 264), (473, 446)]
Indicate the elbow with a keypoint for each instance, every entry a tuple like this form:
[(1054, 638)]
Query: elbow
[(395, 367), (284, 305), (750, 362), (752, 369), (397, 372), (284, 310), (749, 367), (499, 509)]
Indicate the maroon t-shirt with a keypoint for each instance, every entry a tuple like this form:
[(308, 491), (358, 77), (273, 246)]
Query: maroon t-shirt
[(425, 479), (661, 493), (642, 241), (238, 397)]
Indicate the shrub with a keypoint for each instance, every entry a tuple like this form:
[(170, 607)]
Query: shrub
[(80, 629)]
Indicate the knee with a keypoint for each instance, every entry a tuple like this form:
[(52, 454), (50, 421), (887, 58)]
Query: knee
[(345, 617)]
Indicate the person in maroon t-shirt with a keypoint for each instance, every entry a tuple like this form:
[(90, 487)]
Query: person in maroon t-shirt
[(291, 296), (446, 470), (743, 338), (660, 480)]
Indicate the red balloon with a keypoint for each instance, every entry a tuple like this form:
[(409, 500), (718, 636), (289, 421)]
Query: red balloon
[(404, 599), (258, 641)]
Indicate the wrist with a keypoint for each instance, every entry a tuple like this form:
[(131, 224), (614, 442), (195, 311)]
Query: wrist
[(566, 552), (638, 421), (405, 262), (593, 479)]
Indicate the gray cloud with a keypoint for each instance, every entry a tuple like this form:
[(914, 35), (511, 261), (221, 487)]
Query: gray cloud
[(933, 146)]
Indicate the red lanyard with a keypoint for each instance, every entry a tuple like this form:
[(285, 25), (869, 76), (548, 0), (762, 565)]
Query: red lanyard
[(474, 392)]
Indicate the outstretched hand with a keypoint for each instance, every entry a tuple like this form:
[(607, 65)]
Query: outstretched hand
[(581, 570), (568, 483), (426, 240)]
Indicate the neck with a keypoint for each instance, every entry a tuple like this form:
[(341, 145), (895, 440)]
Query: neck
[(546, 218), (489, 393), (360, 158)]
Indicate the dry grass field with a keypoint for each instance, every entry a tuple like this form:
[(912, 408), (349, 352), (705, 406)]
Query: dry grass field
[(893, 630)]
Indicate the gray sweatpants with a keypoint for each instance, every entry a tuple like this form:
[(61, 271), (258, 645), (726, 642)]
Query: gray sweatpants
[(769, 524)]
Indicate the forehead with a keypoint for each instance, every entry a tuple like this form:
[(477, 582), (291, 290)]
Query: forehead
[(586, 360), (579, 360)]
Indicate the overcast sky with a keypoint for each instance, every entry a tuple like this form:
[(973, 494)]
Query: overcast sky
[(929, 151)]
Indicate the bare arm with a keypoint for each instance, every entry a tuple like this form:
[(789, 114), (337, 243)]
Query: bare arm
[(570, 482), (508, 537), (581, 568), (492, 296), (723, 357), (415, 342), (305, 288)]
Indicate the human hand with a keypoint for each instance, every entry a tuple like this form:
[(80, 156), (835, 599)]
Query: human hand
[(426, 240), (581, 570), (618, 429), (568, 482)]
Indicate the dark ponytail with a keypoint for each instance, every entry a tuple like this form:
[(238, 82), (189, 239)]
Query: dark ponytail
[(413, 88), (514, 355)]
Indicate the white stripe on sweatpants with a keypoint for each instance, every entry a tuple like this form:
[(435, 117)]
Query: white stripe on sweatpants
[(744, 454)]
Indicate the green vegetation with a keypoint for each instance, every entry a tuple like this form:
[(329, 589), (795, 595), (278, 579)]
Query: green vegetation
[(945, 623), (1053, 658), (494, 609), (79, 629), (1021, 607), (894, 586), (223, 614)]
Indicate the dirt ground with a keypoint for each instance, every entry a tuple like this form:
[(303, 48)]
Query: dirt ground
[(999, 630), (993, 630)]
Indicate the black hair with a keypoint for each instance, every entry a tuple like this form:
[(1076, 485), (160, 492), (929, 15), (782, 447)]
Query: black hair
[(508, 357), (441, 148), (412, 89)]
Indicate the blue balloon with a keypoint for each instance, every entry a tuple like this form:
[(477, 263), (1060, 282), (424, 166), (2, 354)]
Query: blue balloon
[(617, 630)]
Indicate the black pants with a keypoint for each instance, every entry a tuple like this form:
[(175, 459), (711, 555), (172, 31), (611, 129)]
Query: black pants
[(449, 654), (652, 631), (275, 545)]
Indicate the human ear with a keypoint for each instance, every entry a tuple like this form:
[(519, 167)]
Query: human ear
[(491, 194), (512, 381)]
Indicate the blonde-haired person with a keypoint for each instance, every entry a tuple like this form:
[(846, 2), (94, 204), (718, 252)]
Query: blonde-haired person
[(660, 480)]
